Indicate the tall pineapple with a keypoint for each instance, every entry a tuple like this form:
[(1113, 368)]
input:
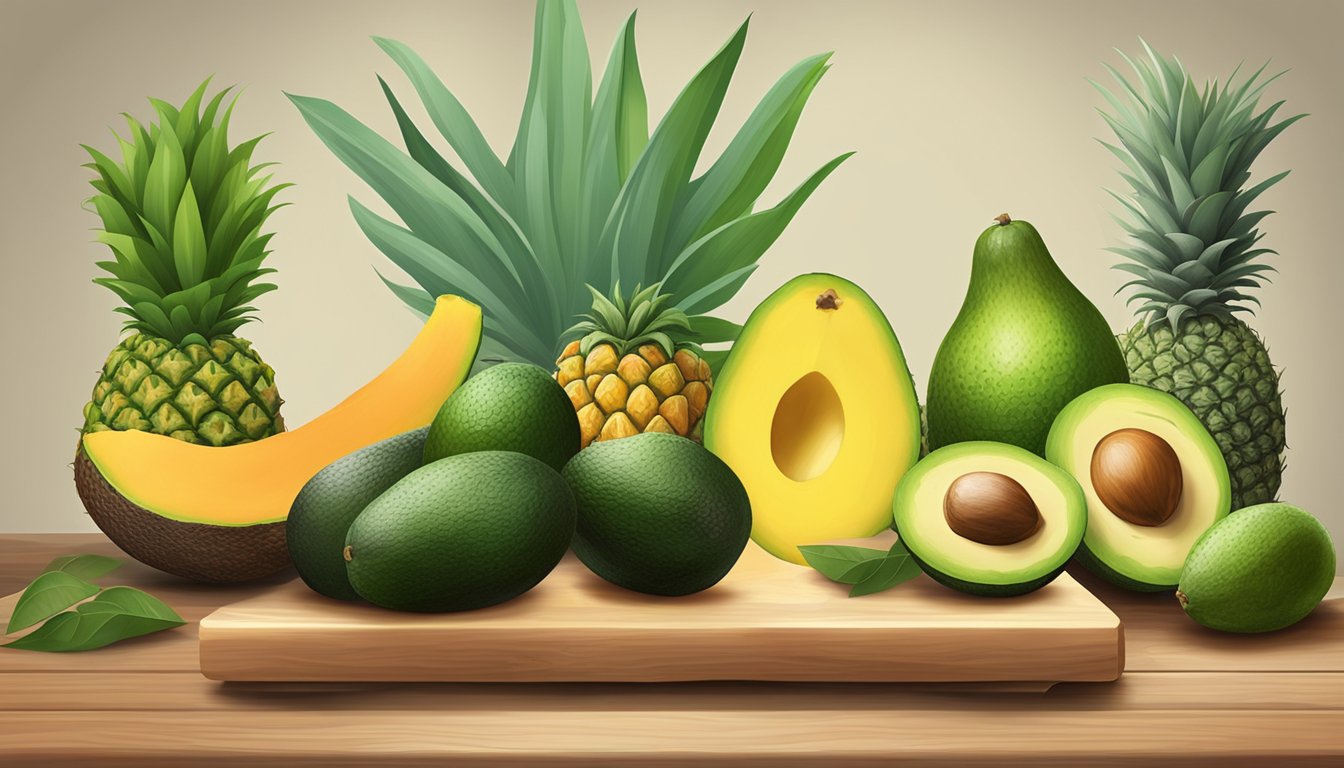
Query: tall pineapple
[(585, 197), (1195, 256), (182, 212), (630, 372)]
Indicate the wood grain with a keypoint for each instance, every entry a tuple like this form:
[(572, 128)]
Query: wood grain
[(768, 620), (709, 737), (188, 691)]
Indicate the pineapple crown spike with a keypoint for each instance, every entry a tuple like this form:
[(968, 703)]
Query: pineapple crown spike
[(182, 213), (1187, 154), (627, 324)]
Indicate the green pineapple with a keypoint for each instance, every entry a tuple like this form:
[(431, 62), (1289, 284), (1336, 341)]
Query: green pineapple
[(182, 212), (1195, 258), (586, 196)]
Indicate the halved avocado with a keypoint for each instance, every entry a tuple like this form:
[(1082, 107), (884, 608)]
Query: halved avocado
[(815, 412), (990, 518), (1153, 477)]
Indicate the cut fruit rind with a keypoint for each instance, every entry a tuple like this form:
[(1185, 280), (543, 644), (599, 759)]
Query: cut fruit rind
[(815, 412), (155, 496), (989, 569), (1141, 557)]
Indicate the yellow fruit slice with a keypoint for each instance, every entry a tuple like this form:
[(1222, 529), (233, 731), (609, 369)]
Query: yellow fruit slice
[(256, 482)]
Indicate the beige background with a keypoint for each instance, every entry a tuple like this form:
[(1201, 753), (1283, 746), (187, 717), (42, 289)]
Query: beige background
[(958, 111)]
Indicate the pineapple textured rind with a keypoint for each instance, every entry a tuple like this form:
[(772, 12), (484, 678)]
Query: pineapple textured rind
[(1220, 369)]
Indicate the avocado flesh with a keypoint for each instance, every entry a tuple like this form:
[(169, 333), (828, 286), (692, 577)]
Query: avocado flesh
[(1024, 344), (1139, 557), (815, 412), (989, 569), (322, 512)]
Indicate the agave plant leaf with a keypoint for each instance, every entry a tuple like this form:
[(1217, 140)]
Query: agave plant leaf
[(739, 242), (734, 182), (644, 207)]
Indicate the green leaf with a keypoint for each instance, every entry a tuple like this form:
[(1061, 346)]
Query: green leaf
[(733, 183), (737, 244), (454, 122), (116, 614), (189, 248), (896, 568), (47, 595), (846, 565), (86, 567), (167, 177), (638, 224)]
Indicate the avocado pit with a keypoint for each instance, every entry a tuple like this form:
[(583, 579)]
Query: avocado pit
[(990, 508), (1137, 475)]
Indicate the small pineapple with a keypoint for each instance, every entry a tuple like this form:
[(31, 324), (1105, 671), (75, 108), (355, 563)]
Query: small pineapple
[(628, 374), (182, 213), (1194, 256)]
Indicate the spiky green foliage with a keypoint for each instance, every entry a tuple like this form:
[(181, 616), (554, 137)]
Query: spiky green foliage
[(1195, 255), (182, 212), (1188, 155), (585, 197), (644, 319)]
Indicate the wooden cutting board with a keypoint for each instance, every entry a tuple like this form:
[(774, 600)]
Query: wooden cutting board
[(767, 620)]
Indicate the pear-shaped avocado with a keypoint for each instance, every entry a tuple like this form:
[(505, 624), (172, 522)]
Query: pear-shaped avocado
[(1025, 343)]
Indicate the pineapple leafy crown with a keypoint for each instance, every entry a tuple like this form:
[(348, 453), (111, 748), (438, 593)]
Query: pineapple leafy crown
[(1187, 152), (644, 319), (586, 196), (182, 212)]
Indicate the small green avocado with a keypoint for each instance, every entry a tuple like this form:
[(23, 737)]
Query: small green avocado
[(463, 532), (1024, 344), (1153, 476), (507, 407), (989, 519), (658, 513), (334, 497), (1261, 569)]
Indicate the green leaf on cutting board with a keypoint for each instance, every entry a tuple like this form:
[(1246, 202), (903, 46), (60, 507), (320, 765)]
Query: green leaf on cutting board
[(897, 567), (86, 567), (48, 595), (867, 570), (847, 565), (116, 614)]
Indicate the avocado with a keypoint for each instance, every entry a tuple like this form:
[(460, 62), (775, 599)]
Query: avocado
[(1153, 476), (507, 407), (816, 412), (330, 501), (460, 533), (989, 519), (658, 513), (1261, 569), (1024, 344)]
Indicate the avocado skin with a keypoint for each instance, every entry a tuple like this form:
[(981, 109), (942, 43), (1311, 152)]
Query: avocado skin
[(984, 590), (1261, 569), (322, 512), (658, 514), (507, 407), (463, 532), (1057, 346)]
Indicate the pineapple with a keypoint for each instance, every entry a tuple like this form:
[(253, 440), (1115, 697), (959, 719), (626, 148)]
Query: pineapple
[(629, 374), (182, 213), (586, 197), (1195, 258)]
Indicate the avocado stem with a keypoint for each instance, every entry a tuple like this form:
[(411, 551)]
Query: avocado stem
[(829, 300), (1003, 219), (1182, 599), (347, 553)]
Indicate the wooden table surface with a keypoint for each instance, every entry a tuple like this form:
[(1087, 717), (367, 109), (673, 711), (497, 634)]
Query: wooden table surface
[(1188, 697)]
